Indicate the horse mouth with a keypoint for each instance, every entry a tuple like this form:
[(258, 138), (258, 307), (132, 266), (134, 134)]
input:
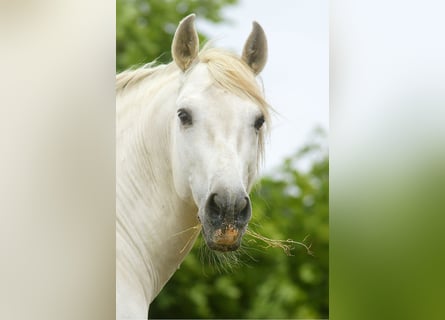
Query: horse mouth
[(227, 238)]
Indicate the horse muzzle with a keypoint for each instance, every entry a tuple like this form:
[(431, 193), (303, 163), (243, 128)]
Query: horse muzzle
[(225, 220)]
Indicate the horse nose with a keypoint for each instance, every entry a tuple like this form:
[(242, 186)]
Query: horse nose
[(222, 209)]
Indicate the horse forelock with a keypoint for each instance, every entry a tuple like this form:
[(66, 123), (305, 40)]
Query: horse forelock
[(234, 75)]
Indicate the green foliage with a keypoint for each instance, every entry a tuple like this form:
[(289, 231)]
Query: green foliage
[(145, 28), (265, 282)]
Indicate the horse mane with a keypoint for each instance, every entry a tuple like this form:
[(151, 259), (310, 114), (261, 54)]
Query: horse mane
[(131, 77), (228, 70)]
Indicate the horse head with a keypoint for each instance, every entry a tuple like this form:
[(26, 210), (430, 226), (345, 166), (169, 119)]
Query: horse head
[(218, 132)]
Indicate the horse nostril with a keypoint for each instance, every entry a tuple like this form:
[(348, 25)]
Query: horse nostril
[(245, 212), (214, 207), (241, 204)]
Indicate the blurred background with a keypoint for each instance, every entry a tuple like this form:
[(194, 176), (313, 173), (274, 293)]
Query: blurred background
[(292, 199)]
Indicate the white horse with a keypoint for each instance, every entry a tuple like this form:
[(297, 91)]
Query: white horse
[(189, 140)]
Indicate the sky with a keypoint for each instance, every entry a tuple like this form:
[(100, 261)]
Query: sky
[(296, 76)]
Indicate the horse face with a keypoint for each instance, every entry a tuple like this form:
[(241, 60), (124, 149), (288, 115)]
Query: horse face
[(216, 138), (215, 158)]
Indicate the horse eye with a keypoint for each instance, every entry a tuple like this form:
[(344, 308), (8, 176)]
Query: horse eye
[(259, 122), (185, 117)]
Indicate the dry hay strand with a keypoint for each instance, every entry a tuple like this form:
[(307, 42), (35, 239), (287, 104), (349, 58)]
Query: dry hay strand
[(197, 229), (286, 245)]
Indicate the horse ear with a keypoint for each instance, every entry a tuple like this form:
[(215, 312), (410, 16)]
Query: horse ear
[(255, 49), (185, 44)]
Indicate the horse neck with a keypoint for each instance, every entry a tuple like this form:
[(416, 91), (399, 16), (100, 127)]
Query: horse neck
[(154, 226)]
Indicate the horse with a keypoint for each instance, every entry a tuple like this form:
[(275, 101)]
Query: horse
[(189, 140)]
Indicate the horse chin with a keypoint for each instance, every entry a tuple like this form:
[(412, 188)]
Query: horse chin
[(223, 248)]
